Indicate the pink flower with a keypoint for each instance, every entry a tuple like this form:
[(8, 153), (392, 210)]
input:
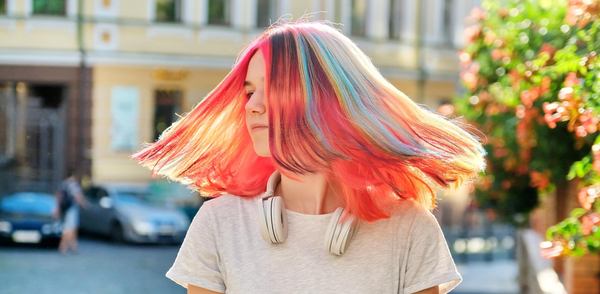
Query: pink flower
[(588, 222), (550, 108), (472, 33), (520, 111), (498, 54), (565, 93), (515, 78), (529, 96), (589, 121), (477, 14), (540, 180), (470, 80), (489, 38), (596, 158), (545, 85), (464, 57), (551, 114), (571, 80), (587, 196), (547, 48), (550, 249), (580, 132)]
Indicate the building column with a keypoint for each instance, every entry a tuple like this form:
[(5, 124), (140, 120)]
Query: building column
[(433, 17), (247, 14), (408, 22), (237, 13), (346, 16), (203, 15), (378, 18)]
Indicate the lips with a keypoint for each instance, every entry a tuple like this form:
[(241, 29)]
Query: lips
[(258, 127)]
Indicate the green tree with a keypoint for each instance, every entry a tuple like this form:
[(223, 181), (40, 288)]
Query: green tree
[(532, 77)]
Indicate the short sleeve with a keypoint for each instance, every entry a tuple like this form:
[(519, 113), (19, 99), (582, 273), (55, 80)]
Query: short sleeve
[(198, 261), (74, 188), (429, 262)]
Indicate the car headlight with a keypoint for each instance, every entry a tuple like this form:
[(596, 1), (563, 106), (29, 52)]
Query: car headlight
[(54, 227), (143, 227), (5, 227), (46, 229)]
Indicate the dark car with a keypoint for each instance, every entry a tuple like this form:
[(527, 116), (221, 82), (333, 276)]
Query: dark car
[(26, 217), (124, 213)]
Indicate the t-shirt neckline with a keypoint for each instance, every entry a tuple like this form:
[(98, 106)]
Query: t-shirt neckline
[(304, 216)]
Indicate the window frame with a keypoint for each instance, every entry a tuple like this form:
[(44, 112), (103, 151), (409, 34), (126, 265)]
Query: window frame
[(64, 12), (363, 30), (226, 14), (177, 10)]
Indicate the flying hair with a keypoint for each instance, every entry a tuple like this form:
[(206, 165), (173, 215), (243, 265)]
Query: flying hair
[(330, 111)]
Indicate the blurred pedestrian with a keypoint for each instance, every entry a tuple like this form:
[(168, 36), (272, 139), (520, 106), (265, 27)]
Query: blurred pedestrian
[(305, 135), (69, 198)]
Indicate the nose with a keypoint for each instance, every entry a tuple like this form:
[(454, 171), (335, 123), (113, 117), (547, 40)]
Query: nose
[(255, 104)]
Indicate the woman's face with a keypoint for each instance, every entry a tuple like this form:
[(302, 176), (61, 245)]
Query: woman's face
[(257, 119)]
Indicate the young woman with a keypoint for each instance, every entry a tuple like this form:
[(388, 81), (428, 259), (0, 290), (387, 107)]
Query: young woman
[(324, 171)]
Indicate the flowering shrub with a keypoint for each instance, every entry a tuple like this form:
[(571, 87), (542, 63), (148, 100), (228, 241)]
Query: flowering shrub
[(532, 77)]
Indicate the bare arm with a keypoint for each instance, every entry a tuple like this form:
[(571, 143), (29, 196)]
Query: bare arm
[(197, 290), (80, 199), (432, 290), (56, 211)]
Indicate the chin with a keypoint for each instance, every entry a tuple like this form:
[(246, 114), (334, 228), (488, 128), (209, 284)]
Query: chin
[(262, 152)]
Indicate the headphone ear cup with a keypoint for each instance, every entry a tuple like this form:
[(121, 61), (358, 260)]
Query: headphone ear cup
[(348, 228), (272, 219), (279, 218), (263, 220), (338, 235), (331, 229)]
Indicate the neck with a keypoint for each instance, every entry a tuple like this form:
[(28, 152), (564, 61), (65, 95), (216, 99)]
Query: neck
[(312, 195)]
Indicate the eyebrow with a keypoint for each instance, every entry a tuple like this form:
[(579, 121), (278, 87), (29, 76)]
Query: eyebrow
[(248, 83)]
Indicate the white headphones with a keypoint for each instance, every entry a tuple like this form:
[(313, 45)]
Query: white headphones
[(273, 221)]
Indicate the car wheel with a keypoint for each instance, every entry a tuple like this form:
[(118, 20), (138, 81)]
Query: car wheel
[(116, 233)]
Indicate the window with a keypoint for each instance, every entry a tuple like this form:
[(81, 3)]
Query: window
[(94, 193), (448, 23), (49, 7), (218, 12), (359, 14), (395, 21), (167, 105), (266, 12), (2, 6), (8, 131), (168, 11)]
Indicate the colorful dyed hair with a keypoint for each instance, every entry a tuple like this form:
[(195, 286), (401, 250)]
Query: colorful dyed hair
[(330, 111)]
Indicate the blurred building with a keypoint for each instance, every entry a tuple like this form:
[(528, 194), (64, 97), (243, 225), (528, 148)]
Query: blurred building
[(85, 83)]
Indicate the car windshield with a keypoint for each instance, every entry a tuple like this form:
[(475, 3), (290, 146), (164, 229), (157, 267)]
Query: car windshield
[(28, 203), (131, 197)]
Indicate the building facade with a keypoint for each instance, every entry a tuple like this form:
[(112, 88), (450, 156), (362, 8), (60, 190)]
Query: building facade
[(85, 83)]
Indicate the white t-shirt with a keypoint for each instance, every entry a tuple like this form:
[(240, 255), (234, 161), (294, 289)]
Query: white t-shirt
[(223, 251)]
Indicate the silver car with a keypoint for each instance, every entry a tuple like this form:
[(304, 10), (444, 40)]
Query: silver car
[(125, 214)]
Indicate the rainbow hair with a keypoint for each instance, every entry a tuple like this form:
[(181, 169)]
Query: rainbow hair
[(330, 111)]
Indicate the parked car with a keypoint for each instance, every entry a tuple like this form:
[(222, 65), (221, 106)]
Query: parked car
[(125, 214), (26, 217)]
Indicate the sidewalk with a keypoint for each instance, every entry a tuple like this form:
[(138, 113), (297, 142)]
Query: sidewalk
[(497, 277)]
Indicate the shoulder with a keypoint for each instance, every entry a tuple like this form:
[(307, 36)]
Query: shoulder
[(228, 206), (224, 202), (413, 217)]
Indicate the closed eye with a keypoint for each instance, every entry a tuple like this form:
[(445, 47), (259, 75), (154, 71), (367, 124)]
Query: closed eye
[(249, 94)]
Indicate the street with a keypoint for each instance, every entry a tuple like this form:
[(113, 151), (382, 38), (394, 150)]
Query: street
[(99, 267)]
